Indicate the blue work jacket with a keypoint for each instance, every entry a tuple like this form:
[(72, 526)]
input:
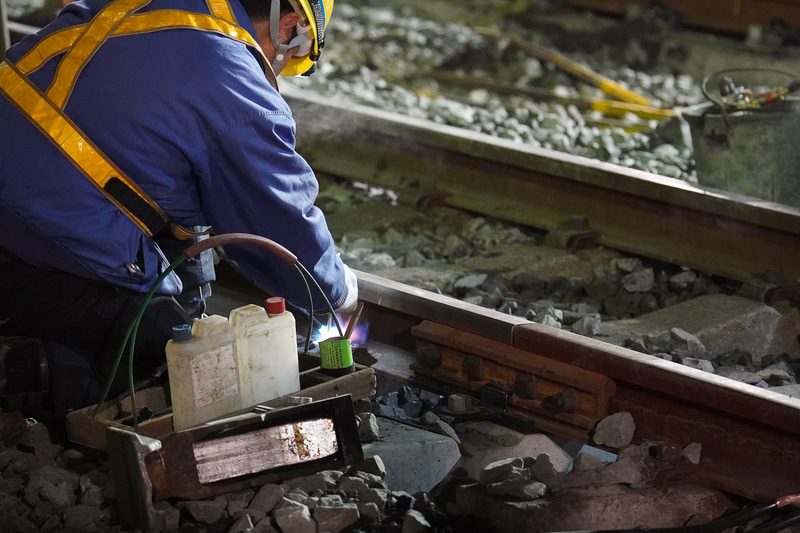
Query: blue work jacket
[(190, 117)]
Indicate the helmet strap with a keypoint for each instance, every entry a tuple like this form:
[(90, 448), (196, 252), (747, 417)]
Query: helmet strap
[(282, 50)]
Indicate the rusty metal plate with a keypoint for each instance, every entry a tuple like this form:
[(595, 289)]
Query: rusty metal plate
[(565, 399)]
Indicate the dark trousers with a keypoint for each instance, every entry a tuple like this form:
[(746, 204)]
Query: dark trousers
[(83, 324)]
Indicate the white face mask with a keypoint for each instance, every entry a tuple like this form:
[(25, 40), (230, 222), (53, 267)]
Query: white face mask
[(302, 28)]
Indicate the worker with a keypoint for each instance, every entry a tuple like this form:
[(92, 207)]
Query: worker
[(132, 129)]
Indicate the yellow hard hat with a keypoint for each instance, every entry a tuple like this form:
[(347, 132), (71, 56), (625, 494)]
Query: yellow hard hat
[(315, 15)]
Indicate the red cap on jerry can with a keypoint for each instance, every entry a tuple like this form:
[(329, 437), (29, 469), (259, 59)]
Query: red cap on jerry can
[(276, 305)]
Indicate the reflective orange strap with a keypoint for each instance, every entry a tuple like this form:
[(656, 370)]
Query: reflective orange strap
[(81, 152), (80, 43), (221, 22), (94, 35), (221, 9)]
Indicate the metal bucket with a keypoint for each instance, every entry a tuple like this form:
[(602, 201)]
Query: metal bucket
[(336, 356), (753, 151)]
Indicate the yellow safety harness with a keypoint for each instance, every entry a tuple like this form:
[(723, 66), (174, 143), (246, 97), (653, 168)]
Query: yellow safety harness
[(78, 44)]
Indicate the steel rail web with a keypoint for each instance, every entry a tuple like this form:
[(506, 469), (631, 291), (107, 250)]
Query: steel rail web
[(713, 231)]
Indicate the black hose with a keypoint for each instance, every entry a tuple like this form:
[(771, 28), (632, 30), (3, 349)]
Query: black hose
[(778, 524)]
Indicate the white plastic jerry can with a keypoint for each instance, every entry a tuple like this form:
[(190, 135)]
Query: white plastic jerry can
[(203, 373), (266, 345)]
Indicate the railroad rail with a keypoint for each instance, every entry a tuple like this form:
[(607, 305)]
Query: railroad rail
[(562, 383), (552, 380), (575, 198)]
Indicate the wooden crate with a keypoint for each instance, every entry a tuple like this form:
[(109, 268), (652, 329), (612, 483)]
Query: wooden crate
[(88, 428)]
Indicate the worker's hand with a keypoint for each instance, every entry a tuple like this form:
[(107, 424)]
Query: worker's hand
[(351, 300)]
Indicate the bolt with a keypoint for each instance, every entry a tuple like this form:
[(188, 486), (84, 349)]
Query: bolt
[(525, 386), (428, 355), (458, 403), (473, 368), (666, 451), (565, 401)]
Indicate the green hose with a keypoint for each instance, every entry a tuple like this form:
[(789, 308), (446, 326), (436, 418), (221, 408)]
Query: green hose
[(131, 334)]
